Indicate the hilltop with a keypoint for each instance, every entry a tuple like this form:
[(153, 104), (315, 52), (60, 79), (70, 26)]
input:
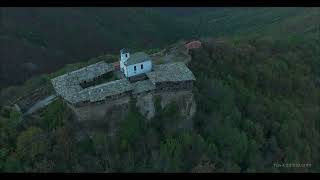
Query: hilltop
[(46, 39), (253, 111), (254, 105)]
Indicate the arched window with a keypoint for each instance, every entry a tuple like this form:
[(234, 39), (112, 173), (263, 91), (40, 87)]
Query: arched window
[(135, 68), (141, 66)]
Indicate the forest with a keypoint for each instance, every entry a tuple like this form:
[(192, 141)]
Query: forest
[(257, 98), (257, 105), (41, 40)]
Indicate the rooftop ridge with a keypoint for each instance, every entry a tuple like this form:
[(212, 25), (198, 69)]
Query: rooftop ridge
[(137, 57), (124, 80)]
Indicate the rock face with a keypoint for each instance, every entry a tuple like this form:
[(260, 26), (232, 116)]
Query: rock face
[(145, 104), (186, 104), (106, 116), (184, 100), (95, 112)]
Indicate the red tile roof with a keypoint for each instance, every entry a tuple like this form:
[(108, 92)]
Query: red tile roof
[(193, 45)]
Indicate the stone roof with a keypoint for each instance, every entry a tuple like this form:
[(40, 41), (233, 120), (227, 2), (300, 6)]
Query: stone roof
[(89, 72), (137, 58), (172, 72), (143, 86), (68, 85), (100, 92), (65, 87)]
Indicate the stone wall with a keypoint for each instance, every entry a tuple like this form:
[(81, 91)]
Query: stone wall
[(97, 111), (186, 105), (173, 86), (102, 117)]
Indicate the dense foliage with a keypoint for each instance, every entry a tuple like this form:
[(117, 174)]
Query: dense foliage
[(257, 106), (259, 103), (257, 91)]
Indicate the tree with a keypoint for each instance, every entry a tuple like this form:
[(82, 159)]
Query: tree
[(194, 149), (55, 115), (204, 167), (13, 164), (64, 150), (32, 145), (171, 155), (102, 146), (132, 128)]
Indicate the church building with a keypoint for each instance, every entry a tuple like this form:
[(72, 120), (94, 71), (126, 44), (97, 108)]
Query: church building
[(134, 64)]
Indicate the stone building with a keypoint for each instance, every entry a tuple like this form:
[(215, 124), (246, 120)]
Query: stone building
[(78, 88), (135, 64)]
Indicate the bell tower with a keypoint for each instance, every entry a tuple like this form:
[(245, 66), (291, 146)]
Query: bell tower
[(124, 56)]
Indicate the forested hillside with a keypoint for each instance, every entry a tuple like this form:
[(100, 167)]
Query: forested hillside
[(259, 103), (257, 96), (257, 106), (42, 40), (255, 22)]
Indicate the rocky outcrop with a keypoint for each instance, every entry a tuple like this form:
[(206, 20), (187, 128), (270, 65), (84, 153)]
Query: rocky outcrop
[(186, 104), (107, 116), (145, 103), (95, 112), (184, 100)]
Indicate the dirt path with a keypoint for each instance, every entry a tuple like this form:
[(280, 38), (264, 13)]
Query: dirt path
[(41, 104)]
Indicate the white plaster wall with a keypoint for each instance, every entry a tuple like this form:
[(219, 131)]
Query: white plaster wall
[(123, 59), (147, 66)]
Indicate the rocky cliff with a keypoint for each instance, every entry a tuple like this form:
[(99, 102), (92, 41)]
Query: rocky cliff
[(107, 116)]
